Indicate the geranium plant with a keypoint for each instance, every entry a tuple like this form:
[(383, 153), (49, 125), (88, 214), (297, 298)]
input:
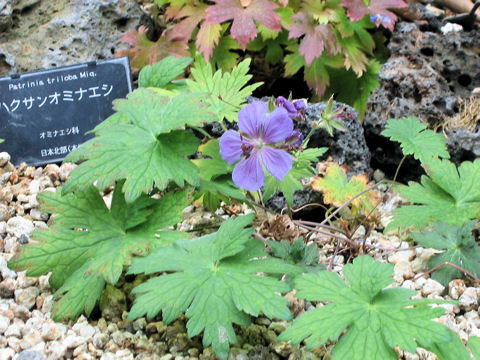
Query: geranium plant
[(154, 157)]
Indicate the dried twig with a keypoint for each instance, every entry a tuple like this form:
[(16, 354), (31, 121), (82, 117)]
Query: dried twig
[(445, 264)]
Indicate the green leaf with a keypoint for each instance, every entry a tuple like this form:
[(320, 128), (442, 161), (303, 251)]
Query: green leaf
[(447, 190), (459, 248), (474, 345), (298, 253), (213, 187), (88, 244), (212, 164), (452, 350), (377, 319), (223, 57), (359, 89), (215, 281), (227, 90), (415, 139), (291, 182), (160, 74), (147, 151)]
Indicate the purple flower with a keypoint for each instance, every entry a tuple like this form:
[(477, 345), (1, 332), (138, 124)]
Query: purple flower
[(287, 105), (380, 20), (254, 145), (295, 138), (300, 105), (294, 109)]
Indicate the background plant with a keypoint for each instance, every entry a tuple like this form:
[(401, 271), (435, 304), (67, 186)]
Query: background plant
[(458, 247), (330, 41), (377, 319), (445, 189)]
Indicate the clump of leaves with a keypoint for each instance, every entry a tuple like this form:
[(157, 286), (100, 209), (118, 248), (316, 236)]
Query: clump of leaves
[(448, 194), (142, 144), (297, 253), (216, 281), (145, 52), (88, 244), (415, 139), (226, 91), (459, 248), (377, 319), (330, 40)]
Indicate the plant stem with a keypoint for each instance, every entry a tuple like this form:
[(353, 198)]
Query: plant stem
[(307, 138), (200, 130), (349, 201)]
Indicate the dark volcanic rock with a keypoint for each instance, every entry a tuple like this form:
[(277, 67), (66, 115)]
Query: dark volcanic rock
[(425, 76), (346, 147), (44, 34)]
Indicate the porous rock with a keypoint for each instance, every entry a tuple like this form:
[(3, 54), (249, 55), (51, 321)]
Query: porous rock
[(52, 33), (425, 76)]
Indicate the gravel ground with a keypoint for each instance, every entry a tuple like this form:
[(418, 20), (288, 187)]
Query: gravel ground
[(27, 331)]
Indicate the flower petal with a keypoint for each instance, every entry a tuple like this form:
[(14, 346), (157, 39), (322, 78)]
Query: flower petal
[(287, 105), (250, 118), (277, 126), (231, 146), (277, 162), (248, 173)]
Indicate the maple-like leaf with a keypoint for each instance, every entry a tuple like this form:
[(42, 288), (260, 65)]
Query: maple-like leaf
[(292, 181), (162, 73), (459, 248), (227, 91), (354, 56), (88, 244), (415, 139), (316, 37), (356, 10), (224, 56), (208, 38), (147, 151), (216, 281), (447, 194), (337, 189), (146, 52), (190, 15), (377, 319), (243, 25)]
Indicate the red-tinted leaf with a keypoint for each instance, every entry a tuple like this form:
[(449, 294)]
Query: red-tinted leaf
[(357, 10), (191, 16), (317, 75), (317, 37), (146, 52), (243, 26), (207, 38)]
